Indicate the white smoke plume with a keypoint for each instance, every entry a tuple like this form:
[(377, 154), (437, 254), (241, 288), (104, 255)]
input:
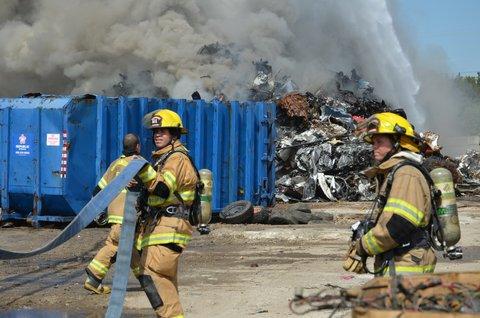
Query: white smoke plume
[(439, 98), (82, 46)]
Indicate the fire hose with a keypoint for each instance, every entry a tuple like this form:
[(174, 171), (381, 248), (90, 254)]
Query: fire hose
[(97, 204)]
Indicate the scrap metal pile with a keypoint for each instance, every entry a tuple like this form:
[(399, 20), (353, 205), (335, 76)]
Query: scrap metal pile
[(318, 156), (469, 167), (434, 294)]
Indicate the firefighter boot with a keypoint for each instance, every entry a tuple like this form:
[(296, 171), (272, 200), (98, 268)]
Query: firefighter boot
[(95, 285)]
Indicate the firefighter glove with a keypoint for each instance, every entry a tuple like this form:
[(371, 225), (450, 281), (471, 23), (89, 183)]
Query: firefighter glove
[(354, 262)]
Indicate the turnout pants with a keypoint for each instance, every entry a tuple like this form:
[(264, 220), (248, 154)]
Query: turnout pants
[(106, 256), (159, 266), (415, 261)]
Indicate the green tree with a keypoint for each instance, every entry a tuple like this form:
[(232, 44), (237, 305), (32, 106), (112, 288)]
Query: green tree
[(469, 86)]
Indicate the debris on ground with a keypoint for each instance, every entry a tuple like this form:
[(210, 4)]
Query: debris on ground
[(296, 214), (261, 215), (390, 297), (240, 212)]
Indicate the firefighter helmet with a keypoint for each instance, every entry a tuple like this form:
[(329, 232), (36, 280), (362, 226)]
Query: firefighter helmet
[(163, 118), (391, 124)]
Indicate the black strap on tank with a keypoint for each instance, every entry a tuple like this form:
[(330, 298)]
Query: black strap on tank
[(407, 162), (163, 158)]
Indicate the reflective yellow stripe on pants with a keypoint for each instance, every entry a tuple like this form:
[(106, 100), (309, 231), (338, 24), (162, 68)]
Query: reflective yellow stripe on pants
[(117, 219), (410, 270), (165, 238), (99, 267)]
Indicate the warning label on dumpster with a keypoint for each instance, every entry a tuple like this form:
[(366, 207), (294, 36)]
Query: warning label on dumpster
[(53, 139), (22, 144)]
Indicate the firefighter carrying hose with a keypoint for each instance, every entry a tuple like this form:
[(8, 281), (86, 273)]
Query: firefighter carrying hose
[(398, 235), (99, 266), (166, 225)]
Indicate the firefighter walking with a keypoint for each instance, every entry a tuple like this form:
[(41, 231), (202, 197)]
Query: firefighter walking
[(404, 209), (99, 266), (166, 229)]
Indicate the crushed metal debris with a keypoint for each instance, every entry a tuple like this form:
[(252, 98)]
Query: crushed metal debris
[(318, 157)]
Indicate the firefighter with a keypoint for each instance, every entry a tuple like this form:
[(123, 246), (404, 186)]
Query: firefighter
[(99, 266), (400, 232), (166, 230)]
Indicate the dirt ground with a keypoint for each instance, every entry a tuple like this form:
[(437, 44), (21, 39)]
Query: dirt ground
[(236, 271)]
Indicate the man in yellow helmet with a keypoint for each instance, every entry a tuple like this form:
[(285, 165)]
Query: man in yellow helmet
[(166, 230), (399, 238), (99, 266)]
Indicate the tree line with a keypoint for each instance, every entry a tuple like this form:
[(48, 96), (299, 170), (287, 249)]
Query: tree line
[(469, 86)]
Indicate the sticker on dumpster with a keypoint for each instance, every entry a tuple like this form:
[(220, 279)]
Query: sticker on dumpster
[(22, 144), (53, 139)]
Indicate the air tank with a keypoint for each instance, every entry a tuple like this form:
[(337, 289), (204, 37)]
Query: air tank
[(205, 197), (447, 207)]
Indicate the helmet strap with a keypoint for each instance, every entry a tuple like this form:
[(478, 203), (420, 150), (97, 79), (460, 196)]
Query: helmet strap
[(174, 138)]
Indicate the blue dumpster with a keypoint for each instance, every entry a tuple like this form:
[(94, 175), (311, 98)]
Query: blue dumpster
[(54, 149)]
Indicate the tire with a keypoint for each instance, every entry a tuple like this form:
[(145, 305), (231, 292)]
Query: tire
[(261, 217), (302, 207), (282, 218), (301, 216), (237, 212)]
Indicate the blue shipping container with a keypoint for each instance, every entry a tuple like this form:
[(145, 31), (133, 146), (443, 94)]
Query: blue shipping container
[(234, 140)]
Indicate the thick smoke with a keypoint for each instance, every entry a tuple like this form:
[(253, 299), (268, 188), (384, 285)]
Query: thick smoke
[(87, 46)]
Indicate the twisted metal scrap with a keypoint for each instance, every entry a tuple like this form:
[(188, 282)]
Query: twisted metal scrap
[(461, 298)]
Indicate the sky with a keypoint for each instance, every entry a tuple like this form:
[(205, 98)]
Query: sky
[(450, 25)]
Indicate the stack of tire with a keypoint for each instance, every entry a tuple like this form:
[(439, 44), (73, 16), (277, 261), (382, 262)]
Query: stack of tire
[(243, 212)]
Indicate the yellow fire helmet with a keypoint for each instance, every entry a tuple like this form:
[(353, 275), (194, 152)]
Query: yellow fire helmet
[(390, 123), (163, 118)]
